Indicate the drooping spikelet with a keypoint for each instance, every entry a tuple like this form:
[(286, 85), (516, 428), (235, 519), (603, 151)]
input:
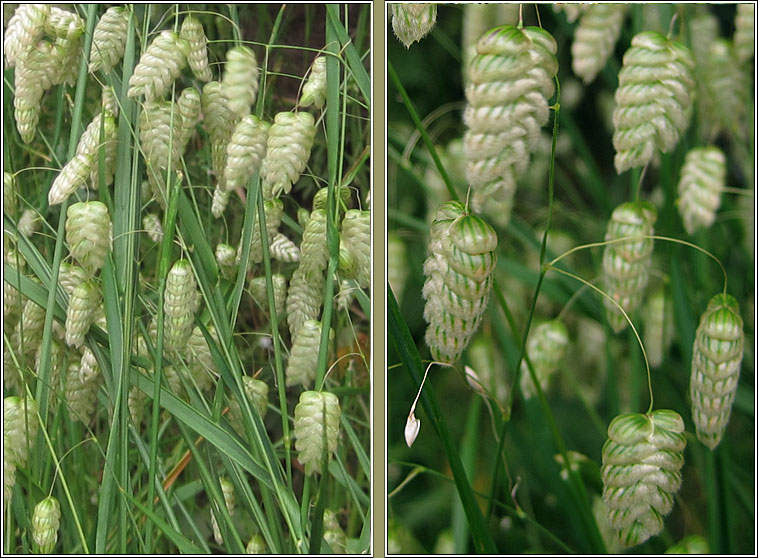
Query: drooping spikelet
[(701, 183), (151, 223), (411, 22), (333, 533), (227, 489), (314, 90), (287, 152), (458, 274), (283, 249), (273, 211), (725, 90), (716, 362), (68, 30), (653, 99), (256, 392), (178, 304), (240, 81), (302, 365), (356, 239), (30, 326), (245, 152), (109, 39), (192, 31), (744, 32), (219, 121), (226, 258), (160, 64), (82, 384), (641, 462), (314, 253), (259, 291), (88, 234), (626, 264), (317, 419), (71, 276), (36, 72), (256, 545), (546, 348), (189, 104), (658, 321), (160, 138), (93, 140), (219, 202), (595, 38), (20, 425), (80, 315), (9, 194), (73, 176), (24, 29), (200, 359), (511, 81), (29, 222), (572, 11), (45, 523)]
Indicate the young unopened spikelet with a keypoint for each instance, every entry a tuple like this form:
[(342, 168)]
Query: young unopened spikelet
[(716, 362), (314, 90), (88, 234), (109, 39), (178, 303), (160, 64), (240, 81), (256, 392), (317, 419), (546, 348), (260, 293), (151, 222), (744, 32), (653, 99), (192, 31), (356, 239), (189, 104), (626, 264), (80, 315), (227, 489), (283, 249), (45, 523), (288, 149), (694, 544), (226, 258), (73, 176), (411, 22), (701, 183), (333, 533), (511, 81), (245, 152), (24, 29), (458, 279), (641, 462), (303, 362), (658, 321), (595, 39), (256, 545)]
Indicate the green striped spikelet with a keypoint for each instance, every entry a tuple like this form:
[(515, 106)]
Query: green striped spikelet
[(160, 64), (189, 105), (314, 90), (641, 462), (73, 175), (201, 363), (226, 258), (151, 223), (321, 197), (356, 238), (88, 234), (227, 489), (45, 523), (694, 544), (595, 38), (744, 32), (626, 264), (333, 533), (35, 74), (80, 314), (219, 121), (288, 149), (256, 545), (109, 39), (178, 303), (192, 31), (726, 88), (658, 321), (301, 368), (256, 392), (25, 27), (20, 425), (260, 293), (272, 211), (411, 22), (546, 348), (653, 99), (716, 362), (245, 152), (92, 140), (317, 419), (701, 183), (240, 80), (82, 383), (458, 274), (511, 81), (283, 249)]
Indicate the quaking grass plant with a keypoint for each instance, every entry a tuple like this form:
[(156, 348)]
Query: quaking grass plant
[(153, 230), (555, 426)]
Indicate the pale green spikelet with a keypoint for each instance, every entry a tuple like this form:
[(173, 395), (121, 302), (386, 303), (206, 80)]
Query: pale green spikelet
[(546, 348), (189, 104), (333, 533), (571, 11), (716, 361), (317, 419), (24, 29), (653, 99), (658, 321), (71, 276), (20, 425), (136, 402), (256, 545), (314, 253), (642, 459), (701, 182), (458, 274), (303, 362), (219, 121), (346, 294), (321, 198), (91, 142), (12, 303), (80, 315), (314, 90), (227, 489), (411, 22), (74, 175), (725, 90), (245, 152), (256, 392), (9, 194), (160, 138), (744, 32), (88, 234), (9, 472), (356, 238), (488, 365), (595, 38), (160, 64), (283, 249), (240, 80), (272, 211), (220, 201), (35, 74), (29, 222), (82, 384), (288, 149), (68, 30), (226, 258), (45, 523), (192, 31), (259, 291), (626, 264), (608, 533), (178, 302), (109, 39), (201, 363), (151, 223), (32, 323), (694, 544), (511, 82)]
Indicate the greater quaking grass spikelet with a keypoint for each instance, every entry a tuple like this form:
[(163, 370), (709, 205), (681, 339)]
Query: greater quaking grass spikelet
[(288, 149), (45, 524), (411, 22), (317, 421), (109, 39), (192, 31), (546, 347)]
